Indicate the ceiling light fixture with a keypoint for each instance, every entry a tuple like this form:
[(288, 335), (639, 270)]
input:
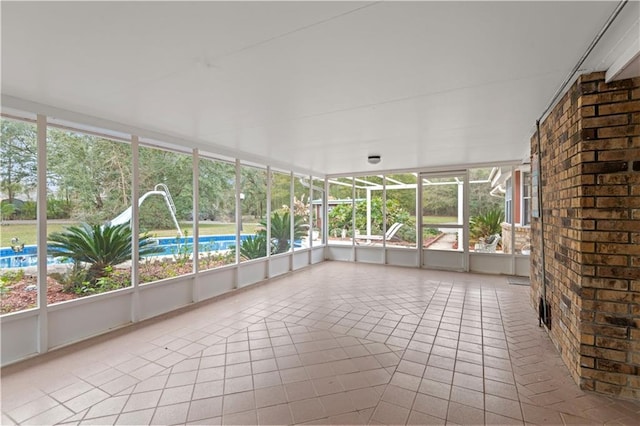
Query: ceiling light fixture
[(373, 159)]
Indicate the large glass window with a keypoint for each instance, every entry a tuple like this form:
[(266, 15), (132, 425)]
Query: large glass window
[(526, 198), (280, 212), (88, 195), (253, 213), (217, 216), (508, 200), (370, 223), (18, 226), (401, 210), (317, 208), (300, 208), (487, 210), (166, 212), (340, 204)]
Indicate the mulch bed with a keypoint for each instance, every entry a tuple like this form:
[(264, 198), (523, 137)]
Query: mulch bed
[(17, 297)]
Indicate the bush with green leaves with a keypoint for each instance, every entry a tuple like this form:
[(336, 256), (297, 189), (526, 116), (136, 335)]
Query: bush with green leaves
[(408, 231), (486, 224), (58, 209), (11, 277), (340, 217), (6, 210), (281, 230), (254, 247), (98, 247)]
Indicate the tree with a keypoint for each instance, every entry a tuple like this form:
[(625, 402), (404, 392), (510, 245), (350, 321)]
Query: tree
[(440, 200), (217, 190), (340, 217), (90, 173), (254, 187), (18, 158), (480, 198), (174, 170)]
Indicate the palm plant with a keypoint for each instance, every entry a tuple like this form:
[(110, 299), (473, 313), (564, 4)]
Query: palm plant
[(100, 247), (254, 247), (484, 225), (281, 231)]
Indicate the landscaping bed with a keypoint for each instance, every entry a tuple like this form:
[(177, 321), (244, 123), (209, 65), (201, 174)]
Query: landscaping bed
[(19, 289)]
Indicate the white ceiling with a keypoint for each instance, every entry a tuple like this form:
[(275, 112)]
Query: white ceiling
[(317, 86)]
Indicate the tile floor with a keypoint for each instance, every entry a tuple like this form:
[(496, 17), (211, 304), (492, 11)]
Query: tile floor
[(336, 343)]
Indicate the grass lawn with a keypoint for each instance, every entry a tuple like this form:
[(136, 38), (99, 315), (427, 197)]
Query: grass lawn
[(26, 232), (439, 219)]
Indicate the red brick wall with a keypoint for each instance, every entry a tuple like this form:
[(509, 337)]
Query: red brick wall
[(590, 161)]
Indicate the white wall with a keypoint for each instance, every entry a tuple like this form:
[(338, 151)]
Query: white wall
[(75, 320)]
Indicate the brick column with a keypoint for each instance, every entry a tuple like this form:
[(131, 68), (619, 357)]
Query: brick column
[(590, 160)]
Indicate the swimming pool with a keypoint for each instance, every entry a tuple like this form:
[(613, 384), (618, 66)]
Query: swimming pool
[(170, 245)]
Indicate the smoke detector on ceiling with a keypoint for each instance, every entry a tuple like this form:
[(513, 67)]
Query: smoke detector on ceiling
[(374, 159)]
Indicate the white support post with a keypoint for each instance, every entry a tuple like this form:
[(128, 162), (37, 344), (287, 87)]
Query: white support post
[(368, 212), (43, 323), (465, 220), (353, 220), (311, 215), (325, 215), (238, 220), (384, 220), (419, 231), (195, 224), (135, 229), (268, 212), (460, 212), (513, 216), (291, 220)]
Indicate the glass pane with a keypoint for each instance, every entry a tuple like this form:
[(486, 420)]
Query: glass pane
[(88, 187), (18, 226), (302, 228), (253, 203), (340, 211), (317, 210), (401, 209), (526, 198), (217, 218), (369, 219), (434, 238), (442, 200), (166, 212), (280, 212), (487, 210)]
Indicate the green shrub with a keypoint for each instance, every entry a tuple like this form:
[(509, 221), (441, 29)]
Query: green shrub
[(408, 231), (26, 211), (341, 217), (58, 209), (212, 259), (11, 277), (253, 247), (486, 224), (6, 210), (99, 247), (281, 231)]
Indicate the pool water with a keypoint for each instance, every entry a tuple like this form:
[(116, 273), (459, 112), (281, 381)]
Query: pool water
[(170, 245)]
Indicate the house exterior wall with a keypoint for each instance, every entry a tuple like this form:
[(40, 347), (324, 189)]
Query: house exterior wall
[(522, 238), (590, 180)]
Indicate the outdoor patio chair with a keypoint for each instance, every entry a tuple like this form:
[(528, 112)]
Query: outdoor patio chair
[(389, 236), (490, 245)]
